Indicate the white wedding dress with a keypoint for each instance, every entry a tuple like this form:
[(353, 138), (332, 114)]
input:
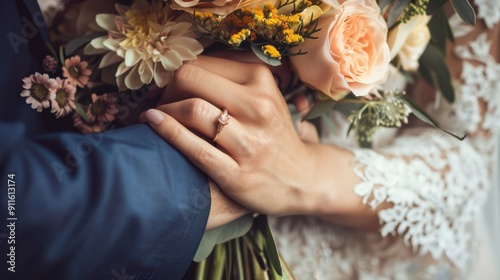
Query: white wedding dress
[(437, 185)]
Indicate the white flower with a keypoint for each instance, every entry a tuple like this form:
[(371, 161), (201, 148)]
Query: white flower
[(409, 40), (147, 41)]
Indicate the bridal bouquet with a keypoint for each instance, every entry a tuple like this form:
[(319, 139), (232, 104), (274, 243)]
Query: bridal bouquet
[(341, 52)]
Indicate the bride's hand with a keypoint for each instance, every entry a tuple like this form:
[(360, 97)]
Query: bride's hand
[(259, 160)]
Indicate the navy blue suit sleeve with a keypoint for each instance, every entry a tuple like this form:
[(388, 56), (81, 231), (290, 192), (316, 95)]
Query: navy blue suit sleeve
[(100, 206), (116, 205)]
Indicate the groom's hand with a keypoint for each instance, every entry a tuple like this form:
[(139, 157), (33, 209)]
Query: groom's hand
[(223, 209)]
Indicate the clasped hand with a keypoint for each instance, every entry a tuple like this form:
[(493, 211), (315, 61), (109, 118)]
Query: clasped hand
[(259, 159)]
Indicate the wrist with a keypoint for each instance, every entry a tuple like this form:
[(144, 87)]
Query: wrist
[(319, 192), (223, 209), (303, 194)]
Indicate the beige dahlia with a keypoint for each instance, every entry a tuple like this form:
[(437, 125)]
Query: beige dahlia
[(147, 42)]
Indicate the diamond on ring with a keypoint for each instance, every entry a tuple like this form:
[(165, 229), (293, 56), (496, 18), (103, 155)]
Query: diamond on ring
[(223, 121)]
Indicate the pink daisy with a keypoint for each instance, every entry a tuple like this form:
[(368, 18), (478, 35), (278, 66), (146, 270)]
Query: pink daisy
[(65, 95), (103, 108), (101, 111), (49, 63), (76, 71), (39, 90), (85, 126)]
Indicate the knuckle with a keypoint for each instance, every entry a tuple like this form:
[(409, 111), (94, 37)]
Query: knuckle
[(266, 107), (184, 73), (172, 134), (202, 155), (248, 147), (261, 71), (198, 109)]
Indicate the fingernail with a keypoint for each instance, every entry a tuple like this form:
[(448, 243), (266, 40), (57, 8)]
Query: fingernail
[(154, 116)]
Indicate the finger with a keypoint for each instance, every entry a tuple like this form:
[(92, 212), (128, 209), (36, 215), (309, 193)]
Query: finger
[(244, 68), (307, 132), (236, 71), (302, 104), (208, 158), (201, 116), (193, 81)]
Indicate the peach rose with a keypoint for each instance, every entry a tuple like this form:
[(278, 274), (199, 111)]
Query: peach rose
[(351, 53), (219, 7)]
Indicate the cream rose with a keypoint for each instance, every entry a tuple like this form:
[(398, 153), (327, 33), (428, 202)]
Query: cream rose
[(219, 7), (351, 53), (409, 40)]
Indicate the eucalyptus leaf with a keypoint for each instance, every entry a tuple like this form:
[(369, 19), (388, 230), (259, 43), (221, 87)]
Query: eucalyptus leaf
[(397, 9), (257, 50), (465, 11), (347, 106), (434, 61), (438, 30), (80, 111), (434, 5), (425, 73), (449, 32), (222, 234), (320, 108), (383, 3), (77, 43), (295, 115), (423, 116)]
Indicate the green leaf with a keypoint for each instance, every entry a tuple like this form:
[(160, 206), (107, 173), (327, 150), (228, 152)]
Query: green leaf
[(320, 108), (52, 52), (75, 44), (257, 50), (383, 3), (80, 111), (434, 5), (222, 234), (347, 106), (449, 32), (270, 249), (434, 61), (256, 250), (295, 115), (437, 28), (61, 55), (397, 9), (423, 116), (465, 11)]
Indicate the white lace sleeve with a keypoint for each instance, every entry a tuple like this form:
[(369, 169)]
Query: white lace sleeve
[(430, 185)]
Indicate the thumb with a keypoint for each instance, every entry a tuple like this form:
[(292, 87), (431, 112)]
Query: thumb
[(307, 132)]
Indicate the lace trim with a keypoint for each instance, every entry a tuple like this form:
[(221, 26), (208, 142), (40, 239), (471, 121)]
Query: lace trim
[(434, 195), (489, 11)]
